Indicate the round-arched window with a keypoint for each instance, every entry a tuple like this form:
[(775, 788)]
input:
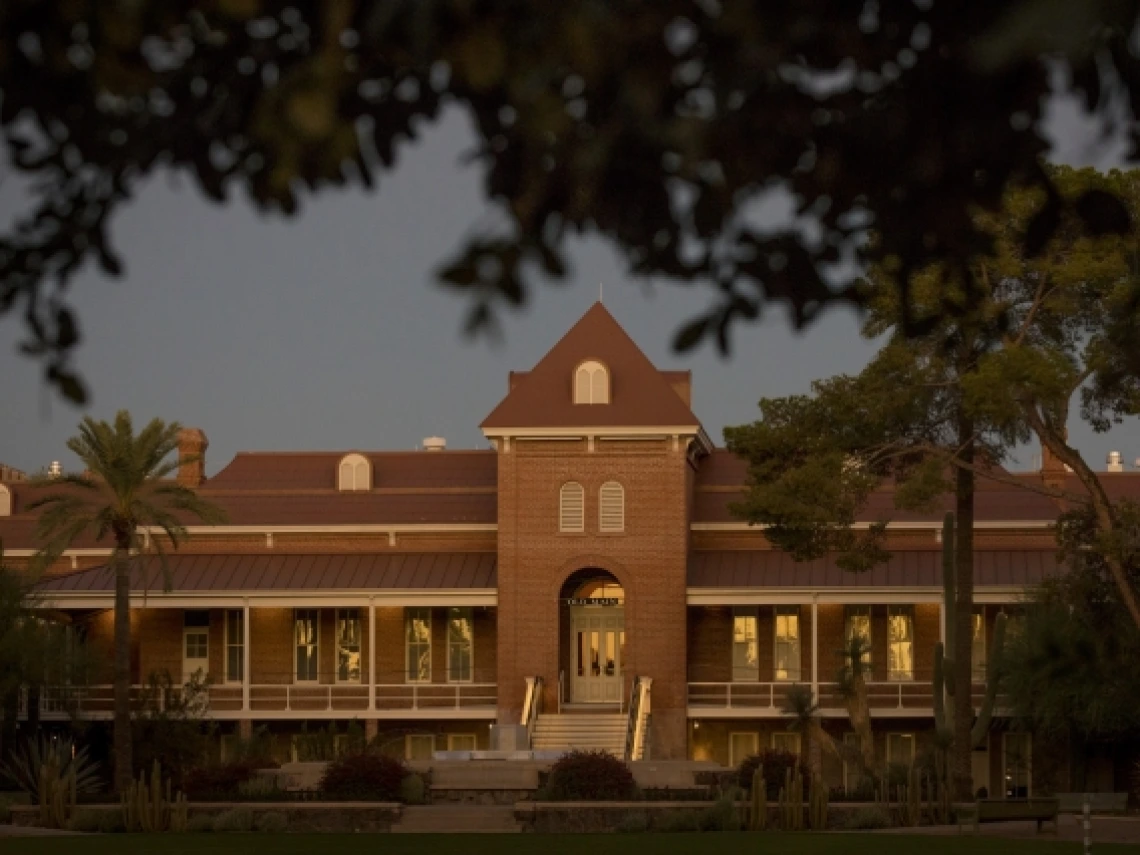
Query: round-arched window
[(591, 383)]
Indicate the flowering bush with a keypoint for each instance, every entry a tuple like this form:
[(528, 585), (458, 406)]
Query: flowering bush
[(368, 776), (590, 776)]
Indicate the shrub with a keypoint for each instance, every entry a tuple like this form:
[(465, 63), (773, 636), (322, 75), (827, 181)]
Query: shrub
[(681, 821), (5, 813), (223, 781), (364, 776), (866, 818), (634, 822), (261, 787), (413, 789), (776, 767), (26, 761), (237, 819), (201, 824), (590, 776), (272, 823), (722, 816)]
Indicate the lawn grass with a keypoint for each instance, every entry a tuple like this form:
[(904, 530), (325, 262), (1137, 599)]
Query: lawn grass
[(548, 844)]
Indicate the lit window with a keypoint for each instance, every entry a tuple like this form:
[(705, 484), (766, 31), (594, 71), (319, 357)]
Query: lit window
[(741, 745), (417, 633), (787, 643), (419, 746), (978, 649), (5, 501), (306, 633), (745, 651), (461, 742), (591, 384), (611, 507), (354, 473), (900, 639), (348, 645), (572, 507), (460, 645), (789, 742), (900, 748), (858, 623), (235, 645)]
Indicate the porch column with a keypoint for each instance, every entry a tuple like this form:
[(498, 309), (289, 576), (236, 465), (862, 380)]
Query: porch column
[(245, 675), (371, 653), (815, 647)]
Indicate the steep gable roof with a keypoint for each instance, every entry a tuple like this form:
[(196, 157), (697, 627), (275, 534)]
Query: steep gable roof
[(639, 395)]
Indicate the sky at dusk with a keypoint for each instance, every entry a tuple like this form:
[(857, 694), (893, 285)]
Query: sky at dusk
[(328, 331)]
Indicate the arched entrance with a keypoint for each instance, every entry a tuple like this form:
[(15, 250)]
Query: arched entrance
[(592, 609)]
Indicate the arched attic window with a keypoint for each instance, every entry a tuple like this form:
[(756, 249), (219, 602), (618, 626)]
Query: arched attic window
[(591, 383), (5, 501), (611, 507), (354, 473), (572, 507)]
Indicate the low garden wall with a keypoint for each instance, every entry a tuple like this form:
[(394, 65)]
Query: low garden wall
[(298, 816)]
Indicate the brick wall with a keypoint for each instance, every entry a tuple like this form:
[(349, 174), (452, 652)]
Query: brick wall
[(648, 559)]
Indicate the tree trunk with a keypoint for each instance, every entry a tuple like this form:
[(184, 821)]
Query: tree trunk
[(962, 765), (124, 770)]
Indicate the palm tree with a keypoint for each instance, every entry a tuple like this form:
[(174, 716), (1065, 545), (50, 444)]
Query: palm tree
[(852, 679), (801, 708), (126, 485)]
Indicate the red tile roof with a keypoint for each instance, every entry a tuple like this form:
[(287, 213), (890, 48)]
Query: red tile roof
[(231, 573), (639, 395), (916, 568)]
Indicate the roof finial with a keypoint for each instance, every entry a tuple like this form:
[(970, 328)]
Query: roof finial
[(600, 292)]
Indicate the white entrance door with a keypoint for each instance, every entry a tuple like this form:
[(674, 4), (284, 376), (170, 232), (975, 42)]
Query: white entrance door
[(597, 648)]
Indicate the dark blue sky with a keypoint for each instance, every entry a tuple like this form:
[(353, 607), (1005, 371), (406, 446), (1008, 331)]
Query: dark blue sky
[(328, 331)]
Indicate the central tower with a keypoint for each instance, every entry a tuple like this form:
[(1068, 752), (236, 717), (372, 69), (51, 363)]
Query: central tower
[(596, 449)]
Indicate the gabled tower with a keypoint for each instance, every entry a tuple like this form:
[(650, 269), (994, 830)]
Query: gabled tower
[(596, 449)]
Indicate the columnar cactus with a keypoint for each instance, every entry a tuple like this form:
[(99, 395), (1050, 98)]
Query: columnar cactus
[(57, 796), (759, 800), (945, 685), (145, 808)]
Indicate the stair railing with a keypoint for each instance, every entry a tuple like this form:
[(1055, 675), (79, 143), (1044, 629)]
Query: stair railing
[(532, 706), (561, 689), (637, 726)]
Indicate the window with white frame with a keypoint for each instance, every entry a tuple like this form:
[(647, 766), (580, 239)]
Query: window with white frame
[(611, 507), (417, 635), (978, 646), (235, 645), (354, 473), (306, 639), (900, 642), (572, 507), (787, 646), (786, 741), (857, 622), (900, 748), (745, 650), (348, 645), (460, 645), (461, 742), (741, 745), (419, 746), (591, 383)]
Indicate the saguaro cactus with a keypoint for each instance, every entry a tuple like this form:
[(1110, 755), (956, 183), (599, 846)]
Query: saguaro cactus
[(945, 684)]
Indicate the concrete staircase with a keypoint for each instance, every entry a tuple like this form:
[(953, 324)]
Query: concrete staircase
[(457, 819), (586, 732)]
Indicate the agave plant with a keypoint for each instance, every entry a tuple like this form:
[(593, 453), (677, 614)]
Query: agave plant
[(25, 763)]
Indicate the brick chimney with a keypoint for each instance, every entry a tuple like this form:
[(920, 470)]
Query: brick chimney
[(192, 445)]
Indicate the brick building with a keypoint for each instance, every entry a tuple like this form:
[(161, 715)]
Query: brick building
[(583, 575)]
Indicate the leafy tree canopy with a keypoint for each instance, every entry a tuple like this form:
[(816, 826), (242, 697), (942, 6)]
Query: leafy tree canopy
[(658, 126)]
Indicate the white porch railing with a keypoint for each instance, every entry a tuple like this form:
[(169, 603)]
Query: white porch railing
[(770, 697)]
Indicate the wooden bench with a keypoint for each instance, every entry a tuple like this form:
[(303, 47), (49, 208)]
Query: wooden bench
[(1010, 810), (1098, 802)]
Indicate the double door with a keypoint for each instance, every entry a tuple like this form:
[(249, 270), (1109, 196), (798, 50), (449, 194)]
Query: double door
[(597, 650)]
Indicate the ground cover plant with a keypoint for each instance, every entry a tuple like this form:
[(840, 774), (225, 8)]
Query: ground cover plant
[(551, 844)]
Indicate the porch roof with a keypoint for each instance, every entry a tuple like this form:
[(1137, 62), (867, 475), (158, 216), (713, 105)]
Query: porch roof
[(906, 568), (285, 572)]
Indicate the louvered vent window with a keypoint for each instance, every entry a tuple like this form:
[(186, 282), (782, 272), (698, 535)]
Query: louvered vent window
[(572, 507), (611, 507)]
